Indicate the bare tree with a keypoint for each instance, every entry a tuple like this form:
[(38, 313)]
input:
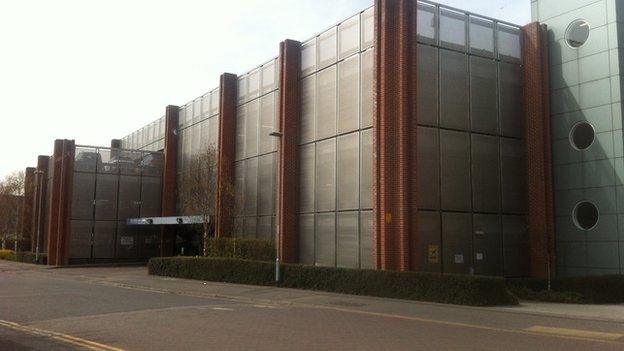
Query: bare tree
[(198, 189), (11, 202)]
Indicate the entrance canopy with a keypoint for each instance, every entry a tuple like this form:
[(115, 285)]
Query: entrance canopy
[(165, 220)]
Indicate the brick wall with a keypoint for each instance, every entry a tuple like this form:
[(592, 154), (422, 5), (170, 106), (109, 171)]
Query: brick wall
[(227, 144), (538, 151), (394, 130), (289, 120)]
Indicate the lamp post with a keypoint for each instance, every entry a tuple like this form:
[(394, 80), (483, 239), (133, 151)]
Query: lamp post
[(39, 175), (279, 136)]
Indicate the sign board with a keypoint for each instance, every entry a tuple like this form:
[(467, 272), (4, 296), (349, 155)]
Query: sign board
[(433, 254), (459, 258), (479, 256)]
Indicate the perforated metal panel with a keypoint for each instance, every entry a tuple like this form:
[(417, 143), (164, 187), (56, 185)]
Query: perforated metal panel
[(429, 172), (485, 173), (457, 242), (487, 237), (455, 170), (347, 248)]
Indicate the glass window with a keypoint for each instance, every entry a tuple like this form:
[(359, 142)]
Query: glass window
[(129, 197), (242, 89), (239, 186), (577, 33), (513, 181), (429, 176), (204, 127), (511, 100), (106, 197), (485, 173), (205, 105), (348, 94), (267, 123), (481, 36), (509, 43), (454, 90), (582, 135), (325, 239), (349, 36), (306, 187), (455, 170), (426, 23), (347, 239), (82, 196), (214, 131), (367, 240), (368, 28), (427, 90), (151, 191), (266, 178), (325, 175), (196, 110), (241, 117), (483, 97), (326, 103), (265, 228), (249, 227), (87, 159), (585, 215), (308, 103), (308, 57), (327, 48), (251, 186), (104, 239), (251, 133), (253, 84), (306, 239), (215, 99), (367, 89), (348, 171), (366, 169), (452, 29), (268, 77)]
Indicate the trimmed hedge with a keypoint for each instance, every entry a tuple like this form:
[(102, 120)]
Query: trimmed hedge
[(249, 249), (595, 289), (432, 287), (21, 256)]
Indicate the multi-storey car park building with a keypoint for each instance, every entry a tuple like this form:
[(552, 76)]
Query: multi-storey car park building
[(414, 136)]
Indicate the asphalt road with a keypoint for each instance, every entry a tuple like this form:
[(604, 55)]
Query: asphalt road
[(125, 309)]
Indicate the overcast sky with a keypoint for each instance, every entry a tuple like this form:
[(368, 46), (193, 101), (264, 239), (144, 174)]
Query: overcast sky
[(97, 70)]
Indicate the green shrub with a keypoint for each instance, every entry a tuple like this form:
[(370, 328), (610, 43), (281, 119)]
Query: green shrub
[(7, 255), (595, 289), (249, 249), (443, 288), (21, 256)]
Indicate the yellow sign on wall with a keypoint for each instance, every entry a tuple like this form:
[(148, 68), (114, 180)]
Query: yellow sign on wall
[(433, 254)]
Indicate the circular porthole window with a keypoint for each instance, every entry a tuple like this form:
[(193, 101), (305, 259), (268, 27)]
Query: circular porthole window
[(585, 215), (577, 33), (582, 135)]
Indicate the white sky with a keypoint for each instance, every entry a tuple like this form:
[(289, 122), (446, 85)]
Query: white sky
[(97, 70)]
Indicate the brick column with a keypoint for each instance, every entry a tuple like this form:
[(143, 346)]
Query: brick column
[(65, 199), (227, 145), (169, 180), (288, 172), (27, 209), (39, 203), (394, 130), (538, 151), (55, 194)]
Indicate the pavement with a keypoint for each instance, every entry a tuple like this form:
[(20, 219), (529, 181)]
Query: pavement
[(123, 308)]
